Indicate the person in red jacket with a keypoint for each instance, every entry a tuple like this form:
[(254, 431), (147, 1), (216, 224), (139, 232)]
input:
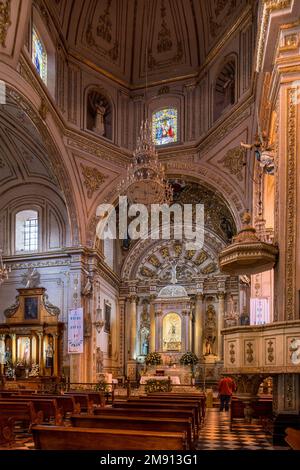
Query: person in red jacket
[(226, 388)]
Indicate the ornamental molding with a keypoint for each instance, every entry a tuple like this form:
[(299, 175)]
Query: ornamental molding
[(234, 162), (5, 21), (291, 205), (268, 7), (93, 179)]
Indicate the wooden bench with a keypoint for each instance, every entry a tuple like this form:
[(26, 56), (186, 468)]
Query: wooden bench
[(186, 396), (7, 435), (160, 406), (47, 406), (167, 400), (262, 409), (70, 438), (293, 438), (114, 421), (86, 405), (20, 411)]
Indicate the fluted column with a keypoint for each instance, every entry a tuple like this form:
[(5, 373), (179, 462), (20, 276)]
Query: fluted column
[(221, 297), (152, 324), (133, 304), (199, 312), (158, 331)]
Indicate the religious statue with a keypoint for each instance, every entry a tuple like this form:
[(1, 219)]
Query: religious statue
[(88, 287), (7, 356), (174, 273), (209, 343), (31, 279), (26, 354), (99, 118), (49, 356), (99, 360)]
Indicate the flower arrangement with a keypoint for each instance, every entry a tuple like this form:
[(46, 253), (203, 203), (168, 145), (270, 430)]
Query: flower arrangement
[(189, 359), (34, 371), (153, 359), (153, 385), (102, 386)]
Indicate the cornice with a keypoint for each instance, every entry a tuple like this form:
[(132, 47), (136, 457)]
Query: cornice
[(253, 329)]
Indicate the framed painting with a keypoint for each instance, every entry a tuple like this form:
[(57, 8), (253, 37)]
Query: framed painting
[(31, 308), (107, 315)]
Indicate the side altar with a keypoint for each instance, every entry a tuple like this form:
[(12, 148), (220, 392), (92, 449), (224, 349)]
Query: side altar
[(31, 337)]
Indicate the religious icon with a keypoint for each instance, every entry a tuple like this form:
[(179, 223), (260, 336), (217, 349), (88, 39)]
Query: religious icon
[(49, 355), (31, 308), (107, 315)]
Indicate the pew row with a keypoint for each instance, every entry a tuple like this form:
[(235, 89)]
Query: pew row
[(70, 438), (114, 421), (47, 408)]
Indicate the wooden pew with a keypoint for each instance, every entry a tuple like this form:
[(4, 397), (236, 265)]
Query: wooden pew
[(65, 403), (20, 411), (292, 438), (69, 438), (114, 421), (262, 409), (7, 435), (86, 405), (95, 398), (160, 406), (150, 413), (168, 400), (47, 406), (186, 396)]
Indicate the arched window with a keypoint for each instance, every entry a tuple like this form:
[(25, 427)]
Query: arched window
[(165, 126), (224, 93), (39, 55), (27, 231)]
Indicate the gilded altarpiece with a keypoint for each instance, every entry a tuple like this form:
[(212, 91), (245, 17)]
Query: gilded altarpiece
[(30, 340)]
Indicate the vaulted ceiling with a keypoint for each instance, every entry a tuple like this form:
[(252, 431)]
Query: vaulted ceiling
[(114, 35)]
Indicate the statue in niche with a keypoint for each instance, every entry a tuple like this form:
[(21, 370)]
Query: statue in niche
[(209, 344), (100, 110), (99, 360), (144, 341), (210, 330)]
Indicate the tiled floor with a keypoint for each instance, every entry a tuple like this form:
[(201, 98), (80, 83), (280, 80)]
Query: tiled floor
[(216, 434)]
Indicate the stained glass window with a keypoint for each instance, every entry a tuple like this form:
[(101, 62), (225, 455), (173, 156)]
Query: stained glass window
[(164, 126), (39, 56)]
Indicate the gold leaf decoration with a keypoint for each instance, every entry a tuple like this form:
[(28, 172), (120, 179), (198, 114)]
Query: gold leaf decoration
[(93, 179)]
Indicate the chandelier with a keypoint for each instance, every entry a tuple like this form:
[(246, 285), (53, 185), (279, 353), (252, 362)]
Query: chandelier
[(3, 270), (146, 182)]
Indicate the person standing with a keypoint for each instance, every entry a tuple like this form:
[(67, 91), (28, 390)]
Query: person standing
[(226, 388)]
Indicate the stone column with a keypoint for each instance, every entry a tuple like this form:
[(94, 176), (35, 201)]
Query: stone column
[(221, 312), (14, 348), (199, 313), (56, 354), (158, 331), (152, 324), (133, 318)]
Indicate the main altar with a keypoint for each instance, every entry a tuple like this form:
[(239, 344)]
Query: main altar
[(30, 339)]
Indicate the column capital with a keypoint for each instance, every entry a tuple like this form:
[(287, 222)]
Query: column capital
[(133, 298), (200, 296), (221, 295)]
